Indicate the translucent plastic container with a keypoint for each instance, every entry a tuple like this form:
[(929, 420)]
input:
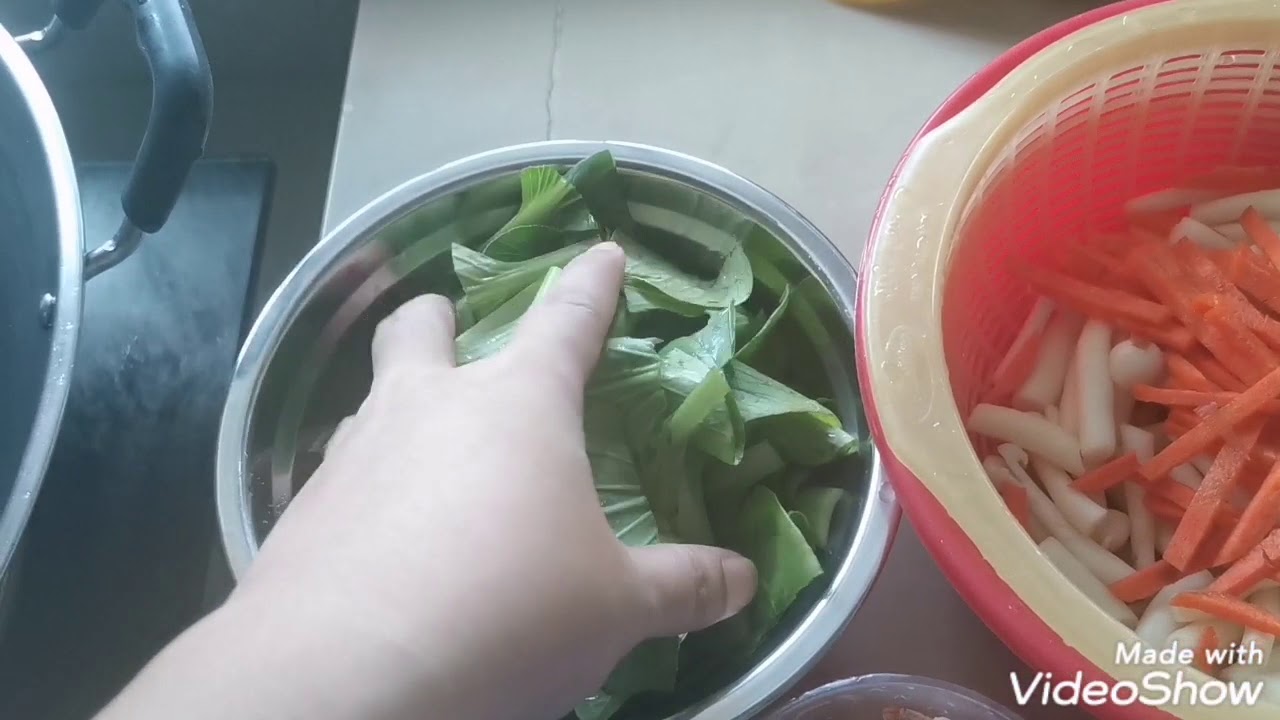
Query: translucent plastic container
[(866, 698)]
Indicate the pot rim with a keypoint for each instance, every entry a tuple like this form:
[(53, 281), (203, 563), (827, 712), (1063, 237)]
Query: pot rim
[(850, 581), (64, 320)]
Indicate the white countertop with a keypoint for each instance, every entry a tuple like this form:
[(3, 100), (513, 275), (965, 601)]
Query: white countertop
[(812, 100)]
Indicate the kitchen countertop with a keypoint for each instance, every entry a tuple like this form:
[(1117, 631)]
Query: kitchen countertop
[(812, 100)]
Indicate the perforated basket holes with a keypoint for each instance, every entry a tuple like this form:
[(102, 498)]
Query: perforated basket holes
[(1067, 175)]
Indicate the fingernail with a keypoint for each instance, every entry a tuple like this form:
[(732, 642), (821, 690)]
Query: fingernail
[(740, 583), (608, 246)]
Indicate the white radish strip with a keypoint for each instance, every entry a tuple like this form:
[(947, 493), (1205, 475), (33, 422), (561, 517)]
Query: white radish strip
[(1229, 209), (1106, 567), (1000, 474), (1085, 582), (1268, 601), (1202, 463), (1186, 616), (1188, 637), (1142, 531), (1168, 199), (1200, 234), (1135, 363), (1029, 431), (1017, 460), (1043, 386), (1113, 531), (1157, 622), (1069, 409), (1097, 401), (1079, 509), (1032, 327), (1164, 536), (1235, 231), (1187, 475)]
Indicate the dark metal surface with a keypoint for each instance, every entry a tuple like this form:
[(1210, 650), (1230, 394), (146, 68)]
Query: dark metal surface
[(116, 555)]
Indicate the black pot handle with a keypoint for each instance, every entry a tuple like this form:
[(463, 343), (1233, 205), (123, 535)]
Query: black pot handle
[(177, 128)]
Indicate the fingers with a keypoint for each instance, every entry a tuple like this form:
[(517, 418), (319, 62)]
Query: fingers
[(692, 586), (418, 334), (570, 325)]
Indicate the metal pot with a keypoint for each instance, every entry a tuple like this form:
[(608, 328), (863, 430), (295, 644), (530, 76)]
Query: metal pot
[(305, 364), (43, 263)]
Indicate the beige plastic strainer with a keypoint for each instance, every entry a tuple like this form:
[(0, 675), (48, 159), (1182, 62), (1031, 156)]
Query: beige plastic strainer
[(1046, 156)]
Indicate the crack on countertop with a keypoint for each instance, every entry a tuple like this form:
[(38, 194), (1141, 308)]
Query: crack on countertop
[(553, 67)]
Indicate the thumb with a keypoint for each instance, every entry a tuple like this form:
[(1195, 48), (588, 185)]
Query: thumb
[(691, 587)]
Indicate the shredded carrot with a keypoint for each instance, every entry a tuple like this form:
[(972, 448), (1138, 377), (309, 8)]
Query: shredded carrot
[(1214, 491), (1219, 424), (1174, 397), (1164, 508), (1230, 609), (1018, 501), (1208, 643), (1260, 517), (1097, 302), (1108, 475), (1187, 375), (1021, 366), (1246, 572), (1215, 371), (1260, 232), (1242, 351), (1146, 582), (1252, 273)]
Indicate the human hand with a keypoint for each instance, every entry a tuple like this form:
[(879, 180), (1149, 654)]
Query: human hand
[(449, 558)]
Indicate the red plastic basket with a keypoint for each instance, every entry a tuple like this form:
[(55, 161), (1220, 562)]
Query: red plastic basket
[(1040, 149)]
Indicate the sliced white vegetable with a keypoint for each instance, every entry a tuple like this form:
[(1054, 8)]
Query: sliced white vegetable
[(1164, 535), (1133, 362), (1200, 234), (1113, 531), (1123, 404), (1105, 566), (1142, 529), (1187, 475), (1235, 231), (1229, 209), (1032, 327), (1000, 474), (1267, 600), (1157, 621), (1202, 463), (1069, 409), (1032, 432), (1097, 401), (1084, 580), (1188, 637), (1043, 386), (1079, 509), (1168, 199)]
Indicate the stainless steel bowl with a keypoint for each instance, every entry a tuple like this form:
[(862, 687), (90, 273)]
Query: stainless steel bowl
[(305, 364)]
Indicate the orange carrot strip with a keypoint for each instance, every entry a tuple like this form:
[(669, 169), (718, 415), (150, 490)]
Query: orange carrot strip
[(1096, 302), (1214, 491), (1168, 335), (1233, 610), (1253, 274), (1108, 475), (1187, 375), (1174, 397), (1164, 508), (1198, 265), (1251, 358), (1146, 582), (1018, 501), (1260, 232), (1260, 516), (1215, 372), (1217, 425), (1246, 572), (1208, 643)]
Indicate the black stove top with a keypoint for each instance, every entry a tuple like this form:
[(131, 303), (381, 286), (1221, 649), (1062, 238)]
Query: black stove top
[(116, 558)]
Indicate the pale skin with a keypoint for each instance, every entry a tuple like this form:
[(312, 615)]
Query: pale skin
[(449, 558)]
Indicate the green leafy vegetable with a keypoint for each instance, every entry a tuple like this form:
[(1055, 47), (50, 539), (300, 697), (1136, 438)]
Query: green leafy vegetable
[(688, 439)]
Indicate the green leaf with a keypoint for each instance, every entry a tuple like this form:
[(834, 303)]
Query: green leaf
[(819, 505), (551, 215), (650, 273), (713, 344), (802, 523), (597, 179), (488, 282), (722, 433), (758, 462), (707, 397), (753, 343), (803, 430), (494, 331), (618, 485), (650, 667), (785, 563)]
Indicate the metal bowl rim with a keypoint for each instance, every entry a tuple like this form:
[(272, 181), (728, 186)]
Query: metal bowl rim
[(852, 579)]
